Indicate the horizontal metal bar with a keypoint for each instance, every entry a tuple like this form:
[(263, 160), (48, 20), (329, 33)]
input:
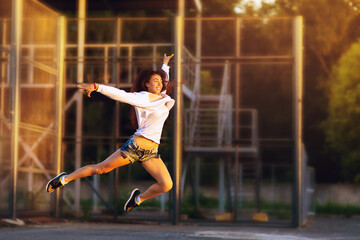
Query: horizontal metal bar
[(234, 18), (186, 18), (213, 64), (261, 140), (121, 18), (111, 58), (251, 57), (105, 137), (121, 45), (35, 45), (68, 85), (210, 139), (211, 149), (243, 110)]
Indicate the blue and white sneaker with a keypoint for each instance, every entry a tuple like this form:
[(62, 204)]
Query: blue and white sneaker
[(131, 203), (55, 183)]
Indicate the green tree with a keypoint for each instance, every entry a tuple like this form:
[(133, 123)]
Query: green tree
[(342, 125), (330, 26)]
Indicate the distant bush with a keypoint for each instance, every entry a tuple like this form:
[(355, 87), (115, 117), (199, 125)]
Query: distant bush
[(346, 210)]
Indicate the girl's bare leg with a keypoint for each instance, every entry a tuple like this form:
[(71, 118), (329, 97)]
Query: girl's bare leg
[(115, 160), (157, 170)]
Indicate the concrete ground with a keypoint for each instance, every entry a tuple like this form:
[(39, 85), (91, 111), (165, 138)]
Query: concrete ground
[(318, 228)]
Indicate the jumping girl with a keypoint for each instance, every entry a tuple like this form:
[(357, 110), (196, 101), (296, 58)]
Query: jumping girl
[(152, 106)]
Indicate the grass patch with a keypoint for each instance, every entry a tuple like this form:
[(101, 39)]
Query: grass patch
[(188, 205), (346, 210)]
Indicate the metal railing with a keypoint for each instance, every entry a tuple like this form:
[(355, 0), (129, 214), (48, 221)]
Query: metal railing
[(191, 78), (207, 134), (214, 126)]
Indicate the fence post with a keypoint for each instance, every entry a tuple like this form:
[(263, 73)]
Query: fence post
[(15, 66), (297, 117), (179, 39)]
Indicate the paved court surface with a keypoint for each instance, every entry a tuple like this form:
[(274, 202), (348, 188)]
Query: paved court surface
[(319, 228)]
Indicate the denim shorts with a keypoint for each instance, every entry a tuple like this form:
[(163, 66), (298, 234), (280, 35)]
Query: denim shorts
[(135, 153)]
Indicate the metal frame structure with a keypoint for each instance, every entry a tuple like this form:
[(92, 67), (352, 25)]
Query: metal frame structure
[(15, 49), (299, 170), (22, 150), (296, 59), (182, 89)]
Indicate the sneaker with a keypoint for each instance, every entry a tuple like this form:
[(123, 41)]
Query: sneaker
[(131, 203), (55, 183)]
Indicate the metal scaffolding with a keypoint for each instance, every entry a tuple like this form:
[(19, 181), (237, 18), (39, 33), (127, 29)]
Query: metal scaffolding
[(32, 132), (117, 65)]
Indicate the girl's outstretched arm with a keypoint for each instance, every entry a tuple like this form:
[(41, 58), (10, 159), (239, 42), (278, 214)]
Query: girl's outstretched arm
[(165, 67), (134, 99)]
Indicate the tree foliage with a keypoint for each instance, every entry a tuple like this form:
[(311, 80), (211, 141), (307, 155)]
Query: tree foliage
[(329, 29), (342, 126)]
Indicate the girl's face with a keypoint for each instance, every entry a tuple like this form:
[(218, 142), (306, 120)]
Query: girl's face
[(155, 84)]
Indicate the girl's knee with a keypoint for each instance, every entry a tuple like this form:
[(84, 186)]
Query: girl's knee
[(96, 170), (167, 185)]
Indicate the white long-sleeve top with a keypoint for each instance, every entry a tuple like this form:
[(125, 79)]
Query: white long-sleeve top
[(150, 116)]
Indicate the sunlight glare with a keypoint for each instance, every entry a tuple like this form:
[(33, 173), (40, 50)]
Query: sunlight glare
[(240, 8)]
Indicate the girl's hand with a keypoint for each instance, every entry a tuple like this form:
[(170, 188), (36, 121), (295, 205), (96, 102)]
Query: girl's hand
[(166, 59), (88, 87)]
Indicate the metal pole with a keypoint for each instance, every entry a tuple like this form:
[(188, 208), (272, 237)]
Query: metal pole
[(222, 185), (115, 79), (197, 182), (118, 52), (198, 43), (31, 31), (16, 30), (3, 75), (297, 117), (178, 130), (79, 104), (95, 184), (106, 65), (237, 113), (60, 98), (181, 8)]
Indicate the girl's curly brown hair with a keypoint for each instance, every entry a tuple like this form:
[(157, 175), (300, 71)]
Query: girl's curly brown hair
[(139, 85), (143, 77)]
